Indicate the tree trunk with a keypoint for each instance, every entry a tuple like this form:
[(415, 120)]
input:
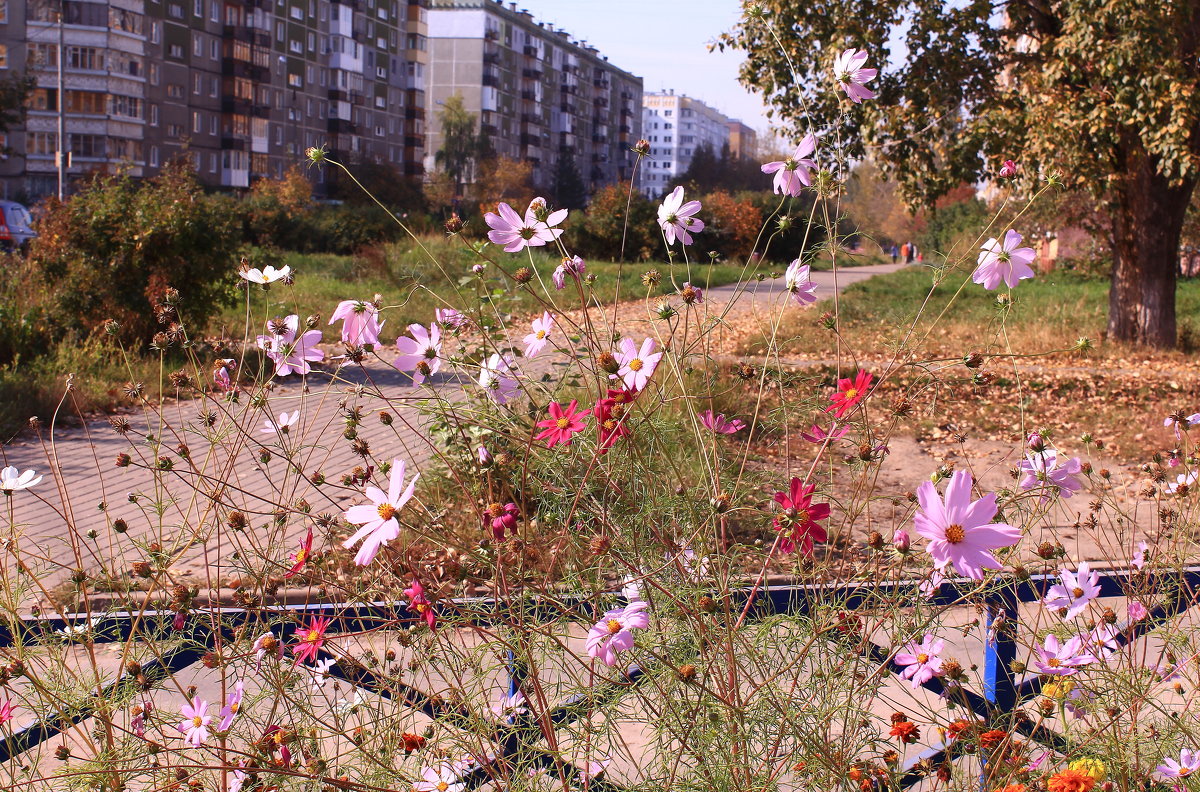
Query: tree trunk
[(1147, 220)]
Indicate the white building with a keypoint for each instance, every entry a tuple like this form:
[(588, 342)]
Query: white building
[(675, 126)]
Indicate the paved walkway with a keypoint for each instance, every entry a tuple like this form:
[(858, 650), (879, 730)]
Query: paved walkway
[(70, 521)]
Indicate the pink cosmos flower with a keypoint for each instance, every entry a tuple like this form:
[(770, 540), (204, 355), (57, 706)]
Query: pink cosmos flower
[(1061, 659), (1101, 640), (264, 644), (442, 777), (233, 703), (1075, 591), (849, 393), (137, 723), (11, 480), (677, 219), (421, 354), (1042, 470), (818, 433), (290, 350), (1008, 169), (419, 604), (495, 380), (794, 173), (360, 322), (378, 519), (799, 283), (502, 518), (614, 633), (484, 456), (6, 711), (801, 518), (573, 266), (637, 365), (280, 425), (514, 232), (960, 532), (311, 639), (851, 77), (1139, 556), (1003, 263), (901, 541), (194, 726), (920, 660), (692, 295), (449, 318), (222, 374), (1189, 762), (536, 341), (719, 425), (1182, 483), (1137, 611), (510, 706), (562, 424), (300, 557)]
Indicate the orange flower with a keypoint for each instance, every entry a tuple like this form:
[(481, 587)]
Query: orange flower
[(991, 738), (1013, 788), (412, 742), (906, 731), (1070, 781)]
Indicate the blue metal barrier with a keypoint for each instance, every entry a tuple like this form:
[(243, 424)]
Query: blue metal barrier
[(1001, 692)]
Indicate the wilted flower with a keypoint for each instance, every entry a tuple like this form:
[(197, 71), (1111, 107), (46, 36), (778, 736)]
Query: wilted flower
[(378, 519), (795, 173), (510, 705), (848, 71), (419, 604), (1008, 169), (300, 557), (1182, 482), (1003, 263), (222, 368), (677, 219), (614, 633), (574, 266), (450, 318)]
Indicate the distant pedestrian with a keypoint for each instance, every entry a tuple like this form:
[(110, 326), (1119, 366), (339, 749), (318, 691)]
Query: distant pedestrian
[(895, 251), (904, 251), (911, 253)]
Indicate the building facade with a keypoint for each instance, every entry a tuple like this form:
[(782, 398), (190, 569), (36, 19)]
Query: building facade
[(675, 126), (743, 140), (240, 87), (538, 94)]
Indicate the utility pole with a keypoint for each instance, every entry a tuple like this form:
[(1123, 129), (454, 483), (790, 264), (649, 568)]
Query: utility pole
[(62, 120)]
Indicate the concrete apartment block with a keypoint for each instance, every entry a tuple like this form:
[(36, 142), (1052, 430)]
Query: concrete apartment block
[(675, 126)]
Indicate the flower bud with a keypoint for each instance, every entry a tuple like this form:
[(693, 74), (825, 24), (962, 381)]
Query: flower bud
[(901, 541), (607, 363), (454, 224), (642, 147)]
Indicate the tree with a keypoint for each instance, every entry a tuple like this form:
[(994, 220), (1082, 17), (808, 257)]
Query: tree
[(504, 179), (460, 144), (14, 94), (569, 190), (1099, 92)]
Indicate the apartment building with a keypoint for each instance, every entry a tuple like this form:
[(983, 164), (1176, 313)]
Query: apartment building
[(675, 126), (743, 140), (538, 93), (241, 87)]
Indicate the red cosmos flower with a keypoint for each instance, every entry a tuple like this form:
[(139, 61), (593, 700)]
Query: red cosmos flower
[(561, 424), (311, 640), (612, 416), (275, 737), (300, 557), (849, 393), (503, 518), (799, 520), (419, 604)]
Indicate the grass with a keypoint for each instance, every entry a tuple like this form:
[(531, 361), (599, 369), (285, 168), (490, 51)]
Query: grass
[(1046, 314), (412, 286)]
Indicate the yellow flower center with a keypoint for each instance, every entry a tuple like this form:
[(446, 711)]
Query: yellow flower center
[(313, 636), (851, 393), (562, 423), (1183, 771), (540, 334), (302, 556), (197, 721), (613, 626), (386, 511), (235, 706), (922, 658), (636, 364), (442, 786), (955, 533), (610, 424), (1077, 592), (1054, 662)]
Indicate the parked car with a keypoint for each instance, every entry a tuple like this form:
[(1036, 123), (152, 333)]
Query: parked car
[(16, 225)]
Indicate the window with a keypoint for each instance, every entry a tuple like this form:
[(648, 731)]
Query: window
[(214, 10), (155, 32), (296, 13), (667, 138), (212, 162), (197, 83), (295, 81), (4, 15), (296, 46), (153, 69), (127, 106), (214, 50), (668, 113), (41, 144), (175, 11), (154, 156), (3, 56), (213, 86), (279, 32), (175, 52), (197, 45), (198, 8), (174, 91), (174, 131), (153, 115), (42, 55), (312, 41), (125, 21), (197, 121)]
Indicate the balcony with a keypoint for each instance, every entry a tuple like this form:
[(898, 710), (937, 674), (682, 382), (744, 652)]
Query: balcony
[(532, 118), (491, 57), (490, 130), (491, 34), (600, 101), (531, 51), (530, 96), (233, 143), (626, 96), (342, 126), (625, 130), (491, 80), (569, 89), (626, 111), (259, 38), (531, 74), (531, 140), (567, 107), (414, 112), (232, 67), (602, 82), (414, 141), (602, 139)]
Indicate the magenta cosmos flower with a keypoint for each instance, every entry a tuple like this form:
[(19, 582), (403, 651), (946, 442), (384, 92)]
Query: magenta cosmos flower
[(799, 283), (637, 364), (360, 322), (849, 393), (419, 604), (1041, 469), (420, 354), (1075, 591), (194, 726), (920, 660), (301, 556), (573, 266), (800, 520), (614, 633), (818, 433), (378, 518), (534, 230), (1061, 659), (960, 532), (718, 423), (495, 380), (1008, 169), (311, 639), (1003, 262), (539, 336), (562, 424), (677, 219), (1189, 763), (852, 77), (290, 350), (794, 173)]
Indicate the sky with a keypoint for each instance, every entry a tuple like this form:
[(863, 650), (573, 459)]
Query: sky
[(665, 42)]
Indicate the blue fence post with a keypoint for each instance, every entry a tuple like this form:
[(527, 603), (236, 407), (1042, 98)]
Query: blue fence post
[(999, 689)]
